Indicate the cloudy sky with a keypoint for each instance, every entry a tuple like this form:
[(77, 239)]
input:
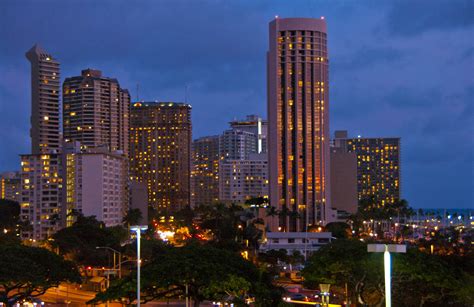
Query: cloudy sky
[(398, 68)]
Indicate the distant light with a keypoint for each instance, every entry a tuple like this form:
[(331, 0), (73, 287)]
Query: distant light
[(359, 136), (459, 217), (322, 17), (276, 16), (449, 216)]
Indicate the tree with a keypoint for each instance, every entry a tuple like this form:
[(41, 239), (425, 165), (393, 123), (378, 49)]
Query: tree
[(339, 230), (200, 269), (30, 271), (133, 217), (347, 262), (79, 241), (10, 223)]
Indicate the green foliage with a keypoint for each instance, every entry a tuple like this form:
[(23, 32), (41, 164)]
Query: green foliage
[(30, 271), (209, 273), (10, 221), (339, 230), (133, 217), (79, 241)]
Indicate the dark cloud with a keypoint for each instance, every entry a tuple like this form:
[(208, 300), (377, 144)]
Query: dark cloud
[(409, 18)]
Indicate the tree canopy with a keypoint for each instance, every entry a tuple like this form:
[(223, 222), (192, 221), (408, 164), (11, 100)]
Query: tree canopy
[(30, 271), (209, 273)]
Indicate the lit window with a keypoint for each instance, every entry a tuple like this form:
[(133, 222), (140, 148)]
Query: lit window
[(46, 118)]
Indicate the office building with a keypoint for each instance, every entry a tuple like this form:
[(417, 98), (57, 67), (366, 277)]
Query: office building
[(205, 174), (240, 180), (305, 243), (10, 185), (298, 122), (378, 166), (95, 184), (96, 111), (44, 101), (160, 152)]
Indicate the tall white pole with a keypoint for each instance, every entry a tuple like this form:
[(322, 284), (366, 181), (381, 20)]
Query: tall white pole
[(138, 266), (388, 281)]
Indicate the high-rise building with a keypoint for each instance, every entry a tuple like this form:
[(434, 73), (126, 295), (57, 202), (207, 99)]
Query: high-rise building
[(240, 180), (40, 173), (41, 185), (95, 184), (160, 152), (96, 111), (10, 185), (255, 125), (205, 174), (298, 122), (44, 129), (343, 181), (237, 144), (378, 166)]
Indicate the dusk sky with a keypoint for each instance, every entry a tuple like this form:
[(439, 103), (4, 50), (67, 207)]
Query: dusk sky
[(397, 68)]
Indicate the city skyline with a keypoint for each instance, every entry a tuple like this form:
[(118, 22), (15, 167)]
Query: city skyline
[(427, 155)]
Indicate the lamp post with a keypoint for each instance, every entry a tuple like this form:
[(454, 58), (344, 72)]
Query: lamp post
[(138, 230), (120, 258), (386, 249)]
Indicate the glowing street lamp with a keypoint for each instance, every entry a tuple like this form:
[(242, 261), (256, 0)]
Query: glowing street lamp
[(387, 249), (138, 230)]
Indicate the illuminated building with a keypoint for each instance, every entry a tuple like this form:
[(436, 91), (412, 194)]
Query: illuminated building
[(298, 122), (96, 111), (95, 184), (44, 130), (41, 186), (205, 176), (160, 152), (242, 179), (255, 125), (41, 182), (378, 166), (10, 186)]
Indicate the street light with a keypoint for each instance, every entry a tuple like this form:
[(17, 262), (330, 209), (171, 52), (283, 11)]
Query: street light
[(138, 230), (115, 252), (386, 249)]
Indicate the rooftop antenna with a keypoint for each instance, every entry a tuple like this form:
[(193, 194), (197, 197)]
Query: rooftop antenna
[(138, 87)]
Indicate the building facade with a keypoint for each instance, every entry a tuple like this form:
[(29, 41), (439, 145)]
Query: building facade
[(40, 173), (96, 111), (256, 125), (205, 174), (45, 89), (10, 186), (298, 122), (237, 144), (41, 185), (240, 180), (343, 181), (378, 167), (160, 152), (95, 184)]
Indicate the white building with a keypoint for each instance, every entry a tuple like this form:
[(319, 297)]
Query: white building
[(240, 180), (40, 198), (304, 242), (95, 184)]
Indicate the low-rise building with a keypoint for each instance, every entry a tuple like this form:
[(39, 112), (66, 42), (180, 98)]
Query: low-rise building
[(303, 242)]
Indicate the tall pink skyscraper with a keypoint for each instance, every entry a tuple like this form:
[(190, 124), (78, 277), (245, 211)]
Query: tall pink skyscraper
[(298, 119)]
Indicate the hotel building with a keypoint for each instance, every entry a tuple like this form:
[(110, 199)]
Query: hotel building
[(95, 184), (298, 122), (96, 111), (41, 183), (10, 184), (160, 152), (378, 166), (205, 175)]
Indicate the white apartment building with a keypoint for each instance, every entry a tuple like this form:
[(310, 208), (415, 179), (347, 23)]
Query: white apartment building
[(240, 180)]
